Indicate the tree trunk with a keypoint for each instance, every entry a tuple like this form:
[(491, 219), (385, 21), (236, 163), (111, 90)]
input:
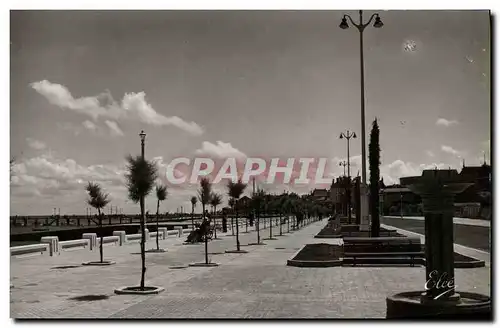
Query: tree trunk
[(143, 244), (288, 223), (157, 226), (206, 234), (270, 227), (258, 228), (281, 226), (237, 232), (192, 217), (100, 228), (215, 222)]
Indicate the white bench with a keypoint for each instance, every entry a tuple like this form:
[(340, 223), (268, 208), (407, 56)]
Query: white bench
[(29, 250), (74, 244), (134, 237), (108, 240), (173, 233)]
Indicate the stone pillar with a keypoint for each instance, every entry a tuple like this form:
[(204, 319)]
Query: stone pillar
[(437, 198), (163, 232), (53, 242), (364, 203), (122, 235), (146, 234), (180, 230), (92, 237)]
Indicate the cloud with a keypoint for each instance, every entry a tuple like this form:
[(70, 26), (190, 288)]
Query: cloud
[(397, 169), (114, 129), (430, 153), (133, 107), (36, 144), (452, 151), (89, 125), (445, 122), (220, 150), (47, 175)]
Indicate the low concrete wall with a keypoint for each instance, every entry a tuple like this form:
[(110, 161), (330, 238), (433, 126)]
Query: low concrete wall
[(50, 245)]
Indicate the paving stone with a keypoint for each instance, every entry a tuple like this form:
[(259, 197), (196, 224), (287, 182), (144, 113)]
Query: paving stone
[(257, 284)]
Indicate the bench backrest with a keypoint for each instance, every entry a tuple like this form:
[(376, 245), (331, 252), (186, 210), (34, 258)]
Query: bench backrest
[(382, 245)]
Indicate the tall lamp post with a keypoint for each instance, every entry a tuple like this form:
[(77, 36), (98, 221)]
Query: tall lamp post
[(361, 27), (363, 217), (348, 135)]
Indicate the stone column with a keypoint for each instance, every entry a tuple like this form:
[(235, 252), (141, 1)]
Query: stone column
[(92, 237), (363, 207), (163, 232), (122, 235), (437, 190), (53, 242)]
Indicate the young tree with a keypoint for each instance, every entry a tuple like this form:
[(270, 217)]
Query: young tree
[(215, 200), (374, 160), (98, 200), (194, 200), (204, 194), (282, 209), (141, 175), (161, 195), (257, 203), (235, 190)]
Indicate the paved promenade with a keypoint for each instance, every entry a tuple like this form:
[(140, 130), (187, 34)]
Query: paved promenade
[(253, 285)]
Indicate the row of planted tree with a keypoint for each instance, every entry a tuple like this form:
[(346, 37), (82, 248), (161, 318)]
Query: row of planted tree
[(141, 177)]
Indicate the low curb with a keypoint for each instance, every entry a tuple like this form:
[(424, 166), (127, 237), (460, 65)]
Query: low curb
[(328, 236), (314, 264), (236, 252)]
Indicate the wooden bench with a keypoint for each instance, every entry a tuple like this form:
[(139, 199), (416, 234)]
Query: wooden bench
[(383, 249)]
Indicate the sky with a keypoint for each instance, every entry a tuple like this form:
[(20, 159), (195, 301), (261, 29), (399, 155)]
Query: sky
[(284, 84)]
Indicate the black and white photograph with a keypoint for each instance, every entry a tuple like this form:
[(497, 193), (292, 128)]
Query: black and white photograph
[(250, 164)]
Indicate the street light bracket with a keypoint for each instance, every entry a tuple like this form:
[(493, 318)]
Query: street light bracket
[(361, 26)]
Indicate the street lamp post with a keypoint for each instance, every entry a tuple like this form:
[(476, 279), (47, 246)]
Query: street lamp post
[(348, 137), (361, 27), (364, 219)]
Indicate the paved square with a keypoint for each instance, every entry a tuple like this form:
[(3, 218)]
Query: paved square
[(257, 284)]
